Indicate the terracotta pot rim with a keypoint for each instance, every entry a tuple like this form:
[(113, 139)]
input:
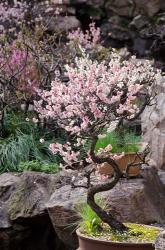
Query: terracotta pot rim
[(108, 242)]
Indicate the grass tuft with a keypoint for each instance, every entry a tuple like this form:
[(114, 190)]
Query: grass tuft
[(128, 143)]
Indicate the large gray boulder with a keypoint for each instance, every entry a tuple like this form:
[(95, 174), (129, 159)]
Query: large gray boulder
[(61, 208), (24, 220), (31, 194), (131, 201), (153, 126), (8, 184), (135, 7)]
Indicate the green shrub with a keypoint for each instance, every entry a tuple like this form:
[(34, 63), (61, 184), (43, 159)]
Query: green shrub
[(14, 150), (23, 148), (38, 166), (15, 121), (21, 143)]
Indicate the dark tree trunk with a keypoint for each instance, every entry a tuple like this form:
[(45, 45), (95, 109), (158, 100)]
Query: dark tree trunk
[(93, 190), (105, 216), (2, 126)]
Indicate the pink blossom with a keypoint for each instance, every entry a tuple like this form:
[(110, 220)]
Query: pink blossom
[(89, 39), (92, 99)]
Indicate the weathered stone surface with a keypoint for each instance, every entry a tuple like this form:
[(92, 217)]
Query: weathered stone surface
[(68, 1), (153, 126), (8, 183), (62, 23), (148, 7), (92, 2), (133, 8), (132, 201), (33, 191), (114, 32), (160, 241), (24, 221), (162, 4), (139, 22), (162, 176), (47, 14), (61, 208), (121, 7), (4, 218)]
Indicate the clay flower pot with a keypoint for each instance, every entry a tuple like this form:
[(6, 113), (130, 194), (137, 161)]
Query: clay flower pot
[(87, 243), (126, 159)]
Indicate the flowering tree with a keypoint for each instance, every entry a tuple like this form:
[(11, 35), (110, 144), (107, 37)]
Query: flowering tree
[(96, 96)]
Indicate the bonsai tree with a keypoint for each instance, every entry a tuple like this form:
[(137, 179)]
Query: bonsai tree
[(97, 96)]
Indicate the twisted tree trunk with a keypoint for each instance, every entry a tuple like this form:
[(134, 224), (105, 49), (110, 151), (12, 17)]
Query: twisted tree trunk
[(93, 190)]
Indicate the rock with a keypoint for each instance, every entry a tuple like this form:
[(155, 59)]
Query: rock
[(62, 23), (132, 8), (121, 7), (96, 2), (8, 183), (42, 12), (61, 208), (141, 46), (4, 218), (24, 220), (61, 2), (69, 1), (33, 191), (149, 8), (162, 5), (115, 29), (162, 176), (74, 2), (132, 201), (160, 241), (139, 22), (153, 126)]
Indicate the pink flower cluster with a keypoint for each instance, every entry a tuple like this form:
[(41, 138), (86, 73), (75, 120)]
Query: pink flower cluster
[(93, 97), (19, 63), (89, 39), (65, 151)]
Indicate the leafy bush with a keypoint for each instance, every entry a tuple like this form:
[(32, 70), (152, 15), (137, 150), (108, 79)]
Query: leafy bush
[(14, 150), (15, 121), (38, 166), (23, 148)]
